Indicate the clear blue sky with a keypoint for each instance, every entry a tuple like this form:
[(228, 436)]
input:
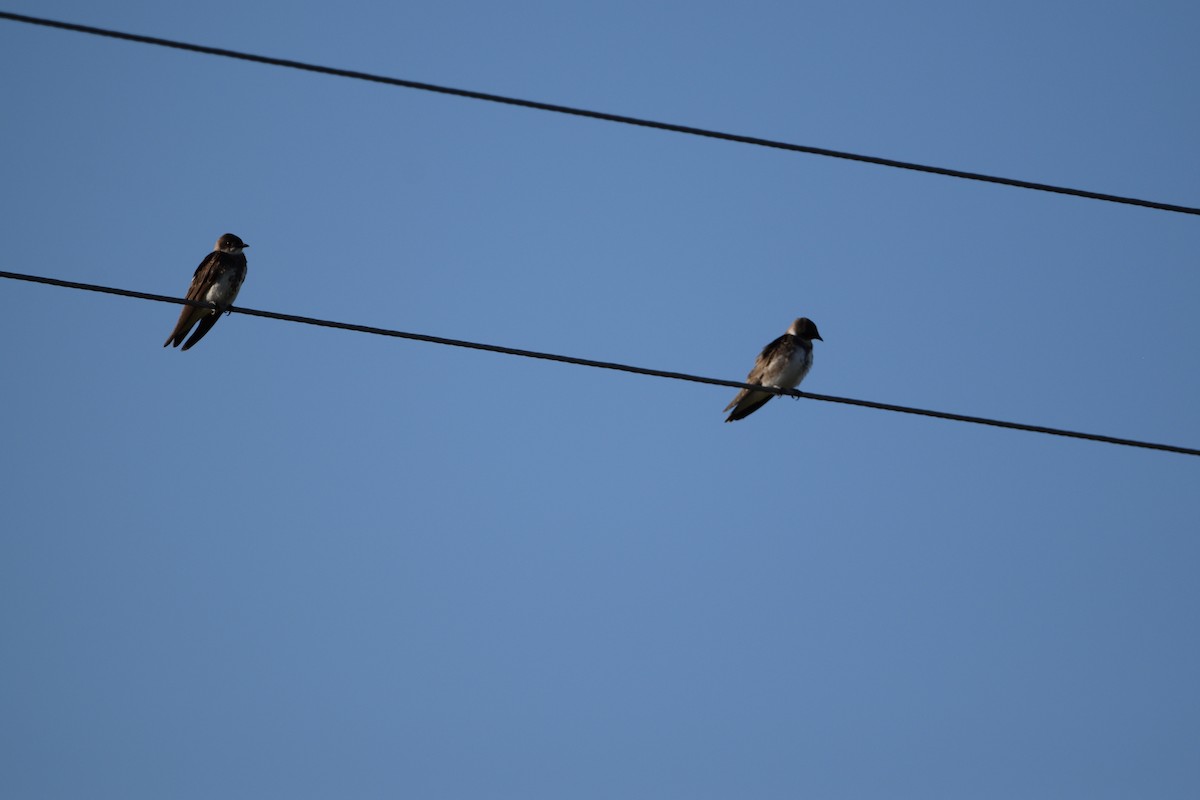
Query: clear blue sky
[(303, 563)]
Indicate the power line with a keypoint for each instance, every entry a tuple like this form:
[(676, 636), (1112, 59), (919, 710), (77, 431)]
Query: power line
[(587, 362), (600, 115)]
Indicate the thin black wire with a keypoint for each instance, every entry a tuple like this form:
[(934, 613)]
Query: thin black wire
[(587, 362), (579, 112)]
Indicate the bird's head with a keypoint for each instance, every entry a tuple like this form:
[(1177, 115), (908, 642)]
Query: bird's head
[(229, 243), (805, 328)]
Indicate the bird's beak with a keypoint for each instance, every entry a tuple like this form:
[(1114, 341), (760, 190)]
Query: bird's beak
[(244, 245), (818, 336)]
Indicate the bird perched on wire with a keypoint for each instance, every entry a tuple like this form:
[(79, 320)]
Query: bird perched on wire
[(783, 364), (217, 280)]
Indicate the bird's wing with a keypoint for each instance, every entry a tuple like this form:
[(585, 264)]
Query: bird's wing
[(202, 279), (748, 401), (206, 275), (770, 359)]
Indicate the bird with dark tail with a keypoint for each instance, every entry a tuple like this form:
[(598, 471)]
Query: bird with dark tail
[(217, 280), (782, 364)]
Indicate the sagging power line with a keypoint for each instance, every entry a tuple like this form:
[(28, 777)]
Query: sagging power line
[(599, 115), (587, 362)]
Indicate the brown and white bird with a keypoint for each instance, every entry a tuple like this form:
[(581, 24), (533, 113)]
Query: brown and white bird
[(217, 280), (783, 364)]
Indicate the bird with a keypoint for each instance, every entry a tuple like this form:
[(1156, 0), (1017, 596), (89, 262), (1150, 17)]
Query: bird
[(217, 280), (782, 364)]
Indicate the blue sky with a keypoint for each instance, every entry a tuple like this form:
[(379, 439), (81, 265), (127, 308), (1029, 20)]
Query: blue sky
[(309, 563)]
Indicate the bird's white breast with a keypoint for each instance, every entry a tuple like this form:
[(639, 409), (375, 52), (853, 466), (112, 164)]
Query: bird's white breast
[(789, 373), (224, 289)]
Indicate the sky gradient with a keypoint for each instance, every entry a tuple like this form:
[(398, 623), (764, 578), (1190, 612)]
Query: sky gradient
[(310, 563)]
